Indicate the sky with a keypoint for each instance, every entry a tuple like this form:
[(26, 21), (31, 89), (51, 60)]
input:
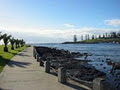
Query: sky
[(54, 21)]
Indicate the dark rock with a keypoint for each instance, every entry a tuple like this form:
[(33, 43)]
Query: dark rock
[(63, 58)]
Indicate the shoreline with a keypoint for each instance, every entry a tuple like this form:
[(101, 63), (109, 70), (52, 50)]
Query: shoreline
[(95, 41), (89, 43), (62, 58), (83, 64), (79, 43)]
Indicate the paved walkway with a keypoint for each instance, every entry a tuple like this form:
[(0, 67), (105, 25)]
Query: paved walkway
[(24, 73)]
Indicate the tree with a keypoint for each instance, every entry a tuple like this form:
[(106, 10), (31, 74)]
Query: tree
[(22, 43), (109, 36), (106, 35), (81, 37), (75, 38), (114, 35), (93, 37), (1, 36), (12, 41), (103, 36), (16, 43), (88, 37), (118, 34), (99, 36), (6, 41)]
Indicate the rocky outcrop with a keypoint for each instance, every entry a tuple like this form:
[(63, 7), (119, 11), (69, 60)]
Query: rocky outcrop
[(63, 58)]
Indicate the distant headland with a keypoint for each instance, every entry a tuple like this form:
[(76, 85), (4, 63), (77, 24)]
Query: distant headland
[(112, 37)]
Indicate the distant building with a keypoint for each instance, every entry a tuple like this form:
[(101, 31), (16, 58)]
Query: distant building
[(75, 38)]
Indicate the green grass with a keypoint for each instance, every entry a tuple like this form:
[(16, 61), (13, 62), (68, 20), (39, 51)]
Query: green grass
[(6, 56), (92, 41)]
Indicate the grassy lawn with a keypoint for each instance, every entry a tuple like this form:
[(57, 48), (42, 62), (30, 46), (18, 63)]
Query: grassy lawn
[(6, 56), (96, 41)]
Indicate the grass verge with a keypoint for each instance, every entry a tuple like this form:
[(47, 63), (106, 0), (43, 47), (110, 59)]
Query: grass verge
[(6, 56)]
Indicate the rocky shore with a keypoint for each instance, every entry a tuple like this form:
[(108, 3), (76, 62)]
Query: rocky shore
[(74, 68)]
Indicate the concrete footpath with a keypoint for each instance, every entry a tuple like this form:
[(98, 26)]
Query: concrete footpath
[(24, 73)]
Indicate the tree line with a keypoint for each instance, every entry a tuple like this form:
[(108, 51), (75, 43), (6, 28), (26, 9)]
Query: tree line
[(111, 35), (15, 43)]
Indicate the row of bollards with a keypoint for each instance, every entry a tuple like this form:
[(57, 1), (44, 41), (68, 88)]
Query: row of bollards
[(46, 64), (61, 72), (98, 83)]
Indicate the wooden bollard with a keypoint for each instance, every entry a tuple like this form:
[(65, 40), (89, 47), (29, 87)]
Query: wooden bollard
[(40, 61), (47, 66), (61, 75), (100, 84), (37, 57), (34, 54)]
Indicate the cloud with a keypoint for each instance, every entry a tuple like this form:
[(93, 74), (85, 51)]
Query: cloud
[(113, 22), (52, 35), (69, 25)]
